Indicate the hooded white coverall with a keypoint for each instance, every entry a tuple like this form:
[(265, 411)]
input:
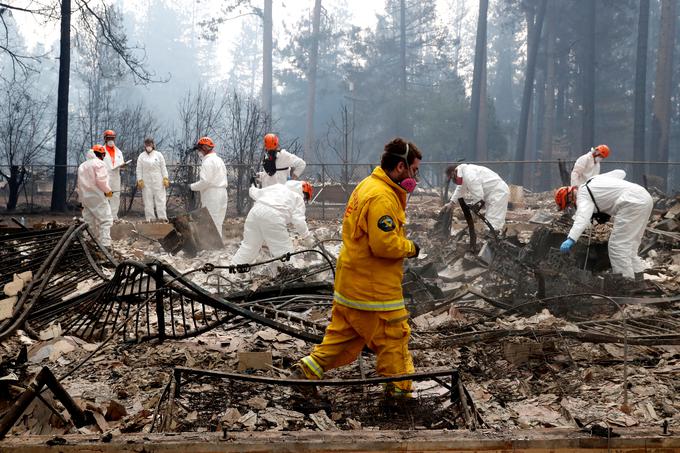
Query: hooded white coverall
[(480, 183), (629, 204), (151, 169), (585, 168), (93, 183), (275, 207), (113, 167), (285, 161), (212, 185)]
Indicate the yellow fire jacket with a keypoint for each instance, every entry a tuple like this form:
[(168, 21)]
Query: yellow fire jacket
[(374, 245)]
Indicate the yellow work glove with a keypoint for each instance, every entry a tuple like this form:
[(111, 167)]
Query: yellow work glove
[(140, 184), (166, 182), (108, 194)]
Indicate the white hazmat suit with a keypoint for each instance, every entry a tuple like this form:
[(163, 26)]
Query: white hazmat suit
[(275, 207), (629, 204), (285, 162), (585, 168), (480, 183), (152, 170), (93, 184), (113, 167), (212, 185)]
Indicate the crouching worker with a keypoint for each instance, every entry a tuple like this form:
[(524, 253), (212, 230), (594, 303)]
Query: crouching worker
[(93, 192), (368, 303), (275, 207), (482, 187), (605, 196)]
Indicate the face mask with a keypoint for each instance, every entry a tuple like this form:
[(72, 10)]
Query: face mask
[(408, 184), (110, 143), (149, 149), (269, 163)]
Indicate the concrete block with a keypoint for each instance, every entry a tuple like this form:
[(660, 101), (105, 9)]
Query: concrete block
[(121, 230), (14, 287), (7, 307), (154, 230), (673, 211), (517, 197), (255, 360), (668, 225), (24, 276)]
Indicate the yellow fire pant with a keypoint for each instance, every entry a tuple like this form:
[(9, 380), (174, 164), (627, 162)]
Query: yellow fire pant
[(384, 332)]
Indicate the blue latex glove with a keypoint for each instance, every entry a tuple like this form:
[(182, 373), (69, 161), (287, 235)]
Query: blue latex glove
[(567, 245)]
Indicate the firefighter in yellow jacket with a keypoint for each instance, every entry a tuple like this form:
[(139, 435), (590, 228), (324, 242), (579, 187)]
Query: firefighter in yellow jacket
[(368, 303)]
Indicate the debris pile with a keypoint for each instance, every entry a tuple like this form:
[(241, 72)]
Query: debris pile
[(148, 341)]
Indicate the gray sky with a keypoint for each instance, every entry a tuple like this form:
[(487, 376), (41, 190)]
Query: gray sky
[(288, 11)]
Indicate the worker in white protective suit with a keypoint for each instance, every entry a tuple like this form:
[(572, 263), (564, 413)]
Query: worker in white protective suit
[(114, 161), (588, 165), (275, 207), (212, 183), (152, 178), (279, 165), (94, 192), (481, 187), (610, 195)]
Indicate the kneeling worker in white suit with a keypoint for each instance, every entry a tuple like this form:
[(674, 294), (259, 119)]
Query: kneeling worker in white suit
[(93, 192), (275, 207), (479, 184), (629, 204)]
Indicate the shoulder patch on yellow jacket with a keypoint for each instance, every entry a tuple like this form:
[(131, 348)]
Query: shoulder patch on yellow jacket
[(386, 223)]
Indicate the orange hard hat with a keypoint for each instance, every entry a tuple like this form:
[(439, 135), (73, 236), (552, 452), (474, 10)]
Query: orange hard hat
[(562, 196), (109, 133), (271, 141), (307, 190), (603, 150), (205, 141), (99, 149)]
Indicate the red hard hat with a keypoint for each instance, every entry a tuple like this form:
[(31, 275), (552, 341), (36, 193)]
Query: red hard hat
[(307, 190), (109, 133), (603, 150), (206, 141), (99, 149), (562, 196), (271, 141)]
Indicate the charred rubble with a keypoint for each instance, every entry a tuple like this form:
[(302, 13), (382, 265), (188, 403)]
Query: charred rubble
[(507, 333)]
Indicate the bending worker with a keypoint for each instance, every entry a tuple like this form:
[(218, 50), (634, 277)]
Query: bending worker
[(152, 178), (477, 184), (279, 165), (212, 183), (275, 207), (588, 165), (93, 192), (610, 194), (114, 161), (368, 303)]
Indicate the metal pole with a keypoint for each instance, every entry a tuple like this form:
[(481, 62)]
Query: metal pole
[(323, 185), (160, 312)]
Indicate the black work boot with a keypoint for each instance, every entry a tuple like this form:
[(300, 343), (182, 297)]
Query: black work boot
[(308, 391)]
